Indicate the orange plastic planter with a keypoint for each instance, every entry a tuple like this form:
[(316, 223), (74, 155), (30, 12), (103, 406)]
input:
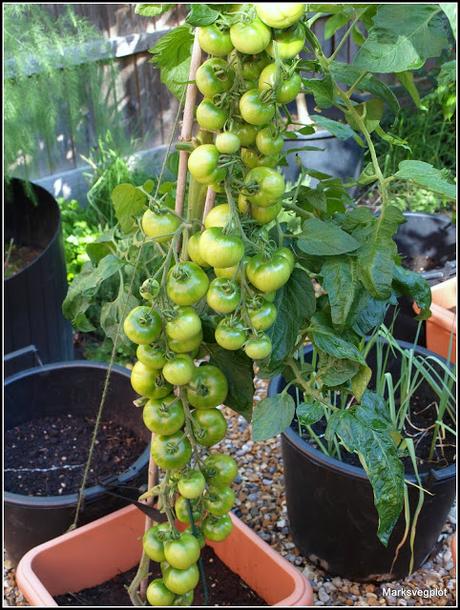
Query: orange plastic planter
[(442, 324), (96, 552)]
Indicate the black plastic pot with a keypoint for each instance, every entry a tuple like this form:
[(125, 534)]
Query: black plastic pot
[(331, 511), (423, 235), (34, 295), (339, 158), (67, 387)]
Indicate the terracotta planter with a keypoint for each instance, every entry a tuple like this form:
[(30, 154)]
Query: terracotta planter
[(80, 559), (441, 328)]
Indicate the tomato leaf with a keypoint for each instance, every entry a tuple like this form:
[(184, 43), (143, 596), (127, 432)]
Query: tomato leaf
[(413, 284), (272, 416), (201, 15), (172, 55), (333, 372), (152, 10), (427, 176), (340, 280), (128, 201), (321, 238), (325, 339), (308, 413), (339, 130)]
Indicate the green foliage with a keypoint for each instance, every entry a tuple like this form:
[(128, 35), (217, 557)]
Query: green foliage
[(52, 84), (172, 55), (271, 416)]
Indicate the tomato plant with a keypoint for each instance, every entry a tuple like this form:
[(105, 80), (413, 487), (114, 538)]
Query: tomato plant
[(272, 265)]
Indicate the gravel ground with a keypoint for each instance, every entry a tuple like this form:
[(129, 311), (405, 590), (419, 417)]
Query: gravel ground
[(261, 504)]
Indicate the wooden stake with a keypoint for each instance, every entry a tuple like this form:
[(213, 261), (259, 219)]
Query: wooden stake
[(185, 136), (209, 203)]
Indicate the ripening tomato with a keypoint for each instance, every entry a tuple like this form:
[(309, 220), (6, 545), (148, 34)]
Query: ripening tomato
[(227, 143), (185, 324), (181, 508), (264, 215), (153, 541), (215, 41), (193, 250), (219, 216), (203, 160), (229, 334), (142, 325), (191, 484), (208, 388), (164, 416), (269, 141), (280, 15), (223, 295), (171, 451), (153, 356), (149, 382), (269, 273), (286, 88), (187, 282), (209, 426), (219, 500), (254, 110), (265, 186), (246, 133), (181, 581), (262, 314), (158, 594), (210, 116), (258, 347), (214, 76), (179, 370), (289, 43), (217, 528), (186, 346), (160, 226), (182, 552), (250, 38), (220, 249), (219, 470)]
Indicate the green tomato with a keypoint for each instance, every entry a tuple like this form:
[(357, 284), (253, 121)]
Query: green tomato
[(230, 335), (191, 484), (184, 325), (182, 513), (181, 581), (269, 274), (252, 159), (219, 500), (187, 282), (219, 470), (258, 348), (158, 594), (265, 186), (209, 116), (214, 41), (179, 370), (250, 38), (214, 76), (289, 43), (246, 133), (254, 110), (198, 535), (286, 89), (186, 346), (152, 356), (160, 226), (220, 249), (182, 552), (219, 216), (208, 388), (223, 295), (153, 541), (149, 382), (203, 161), (217, 528), (142, 325), (172, 451), (251, 67), (214, 178), (165, 416), (280, 15), (209, 426), (184, 600), (193, 250), (262, 314), (269, 141), (265, 215), (287, 254), (227, 143)]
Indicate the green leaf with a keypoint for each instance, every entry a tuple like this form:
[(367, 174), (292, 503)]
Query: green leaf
[(295, 303), (402, 38), (340, 130), (84, 286), (360, 381), (373, 412), (406, 79), (311, 199), (376, 266), (427, 176), (334, 23), (333, 372), (272, 416), (172, 55), (369, 313), (414, 285), (321, 238), (325, 338), (348, 74), (239, 371), (340, 280), (101, 247), (379, 458), (322, 89), (392, 139), (308, 413), (128, 202), (450, 9), (201, 15), (152, 10), (113, 312)]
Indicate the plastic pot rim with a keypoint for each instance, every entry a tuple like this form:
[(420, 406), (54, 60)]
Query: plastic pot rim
[(331, 463), (90, 493), (54, 236)]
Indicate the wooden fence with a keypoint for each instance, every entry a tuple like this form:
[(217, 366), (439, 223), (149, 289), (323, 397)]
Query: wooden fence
[(147, 108)]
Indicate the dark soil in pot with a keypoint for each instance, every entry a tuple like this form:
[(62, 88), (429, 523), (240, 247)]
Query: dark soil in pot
[(330, 503), (46, 456), (224, 586)]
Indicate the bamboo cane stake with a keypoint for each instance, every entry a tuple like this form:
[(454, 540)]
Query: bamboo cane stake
[(185, 136), (209, 203)]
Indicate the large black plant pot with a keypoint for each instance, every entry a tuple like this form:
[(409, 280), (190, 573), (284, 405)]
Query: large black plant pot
[(57, 389), (34, 295), (338, 158), (427, 244), (331, 510)]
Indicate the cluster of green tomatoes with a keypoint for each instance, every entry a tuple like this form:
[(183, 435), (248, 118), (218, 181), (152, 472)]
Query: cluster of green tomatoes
[(247, 79)]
